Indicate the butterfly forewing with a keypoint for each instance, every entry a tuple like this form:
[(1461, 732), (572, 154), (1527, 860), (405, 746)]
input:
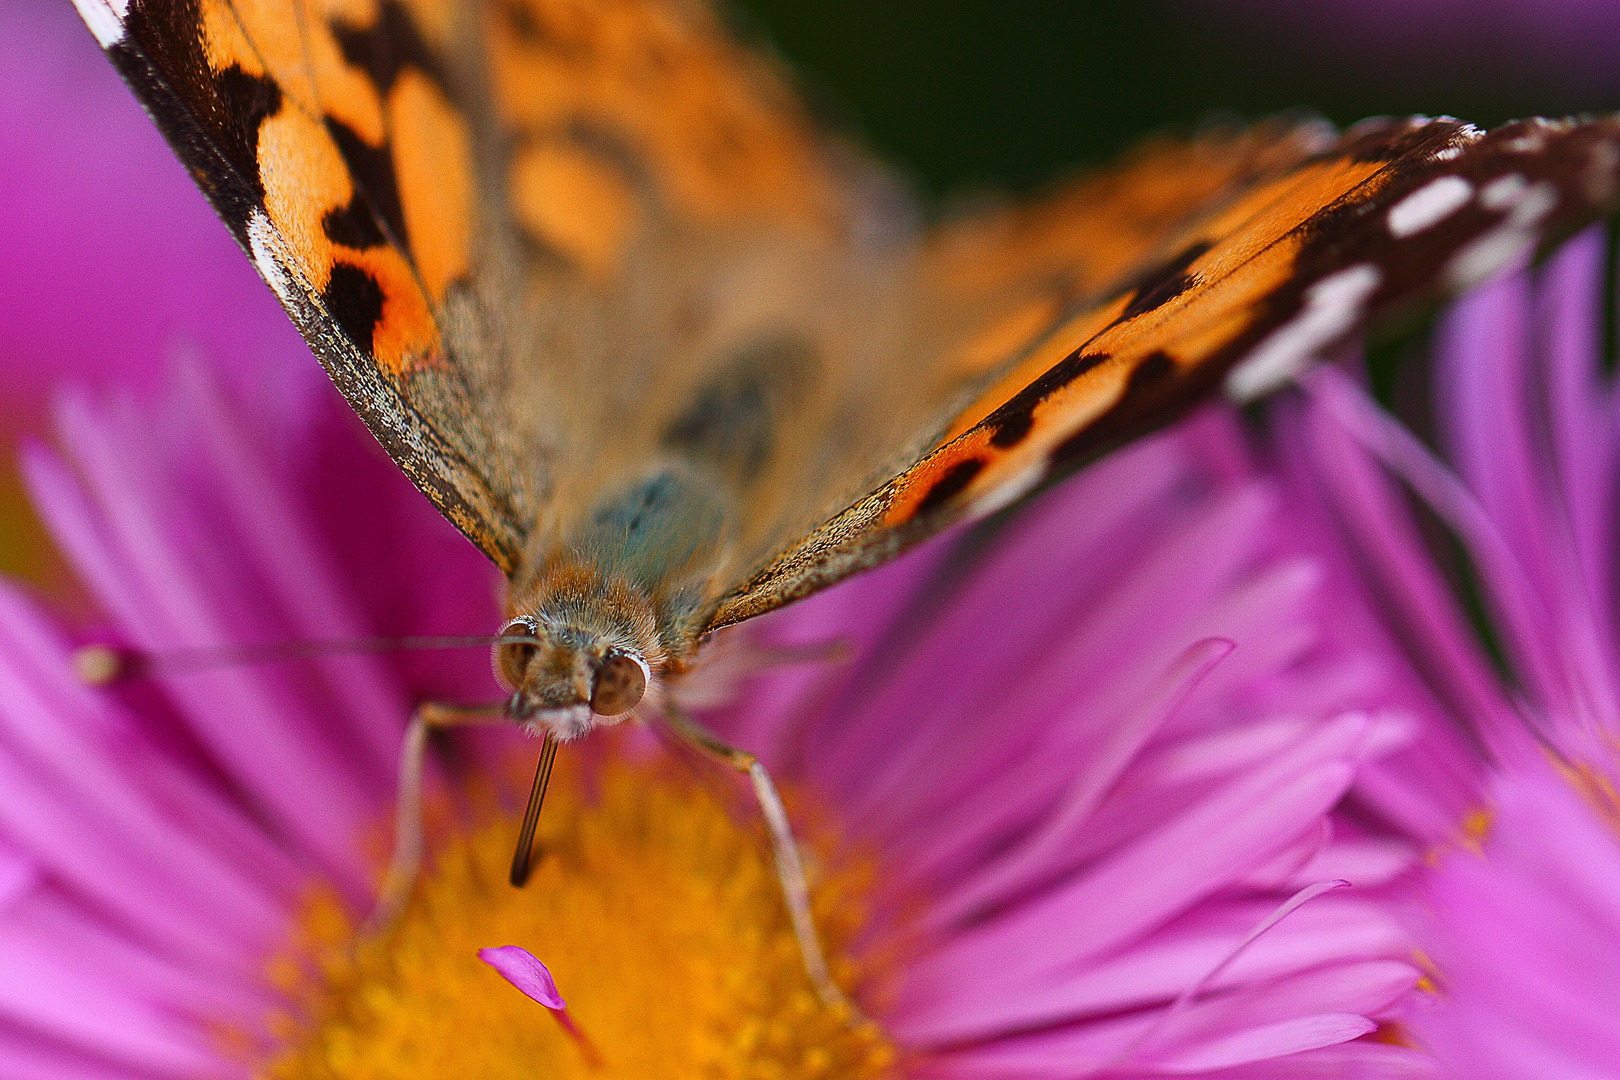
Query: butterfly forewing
[(1396, 214), (314, 197)]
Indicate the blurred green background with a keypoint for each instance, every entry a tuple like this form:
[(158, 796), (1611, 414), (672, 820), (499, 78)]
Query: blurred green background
[(973, 92)]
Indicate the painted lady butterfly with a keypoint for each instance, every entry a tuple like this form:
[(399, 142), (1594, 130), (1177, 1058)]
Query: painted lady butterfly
[(653, 342)]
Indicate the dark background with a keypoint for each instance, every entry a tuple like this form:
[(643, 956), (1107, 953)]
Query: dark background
[(974, 92)]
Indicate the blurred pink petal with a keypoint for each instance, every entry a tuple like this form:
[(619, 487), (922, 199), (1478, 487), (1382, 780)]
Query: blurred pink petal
[(1554, 54), (1522, 930)]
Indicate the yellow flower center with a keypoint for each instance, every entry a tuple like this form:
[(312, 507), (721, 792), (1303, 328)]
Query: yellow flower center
[(657, 910)]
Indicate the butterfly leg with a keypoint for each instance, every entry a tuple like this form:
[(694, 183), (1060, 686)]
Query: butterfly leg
[(406, 861), (789, 865)]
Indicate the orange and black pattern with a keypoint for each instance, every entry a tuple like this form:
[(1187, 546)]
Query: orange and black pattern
[(1393, 216), (358, 148), (302, 131), (386, 163)]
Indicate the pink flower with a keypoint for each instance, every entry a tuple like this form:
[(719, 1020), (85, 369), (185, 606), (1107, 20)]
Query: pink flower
[(1108, 769), (1523, 924), (1093, 760)]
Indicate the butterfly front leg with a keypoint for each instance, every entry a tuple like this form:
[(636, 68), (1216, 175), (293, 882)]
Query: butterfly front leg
[(789, 863), (406, 862)]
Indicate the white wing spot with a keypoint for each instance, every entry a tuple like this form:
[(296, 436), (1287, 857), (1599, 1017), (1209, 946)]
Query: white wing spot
[(1332, 307), (1485, 256), (1448, 153), (1503, 192), (105, 18), (1506, 244), (1539, 200), (1429, 205), (1008, 491), (264, 242)]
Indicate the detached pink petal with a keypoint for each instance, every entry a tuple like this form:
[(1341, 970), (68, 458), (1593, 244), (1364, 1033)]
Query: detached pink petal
[(523, 969)]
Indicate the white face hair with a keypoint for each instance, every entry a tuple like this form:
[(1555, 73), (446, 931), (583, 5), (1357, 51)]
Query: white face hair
[(564, 681)]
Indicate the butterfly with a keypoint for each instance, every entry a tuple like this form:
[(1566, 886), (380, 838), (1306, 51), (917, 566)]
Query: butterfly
[(673, 356)]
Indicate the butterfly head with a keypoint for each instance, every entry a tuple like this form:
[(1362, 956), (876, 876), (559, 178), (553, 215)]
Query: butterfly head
[(568, 680)]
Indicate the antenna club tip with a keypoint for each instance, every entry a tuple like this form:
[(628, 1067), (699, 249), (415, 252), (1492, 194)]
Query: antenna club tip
[(97, 665)]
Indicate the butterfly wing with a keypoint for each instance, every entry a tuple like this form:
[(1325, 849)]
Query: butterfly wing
[(540, 244), (1092, 232), (297, 162), (1394, 215), (414, 177)]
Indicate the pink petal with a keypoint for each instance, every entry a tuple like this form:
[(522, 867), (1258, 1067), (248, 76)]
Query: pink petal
[(1584, 450), (523, 969), (1271, 1041), (68, 1003), (18, 876), (1360, 1060), (1039, 855), (1384, 545), (1365, 988), (1154, 878)]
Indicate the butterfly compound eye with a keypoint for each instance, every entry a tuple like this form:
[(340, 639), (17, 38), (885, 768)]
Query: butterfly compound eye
[(512, 657), (620, 682)]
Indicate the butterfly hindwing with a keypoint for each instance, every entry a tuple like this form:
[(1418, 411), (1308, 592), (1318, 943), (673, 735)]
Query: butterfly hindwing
[(623, 115), (1092, 235)]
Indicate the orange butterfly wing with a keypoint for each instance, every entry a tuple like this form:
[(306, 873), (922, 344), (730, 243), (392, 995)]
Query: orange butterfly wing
[(372, 155), (310, 163), (1396, 214)]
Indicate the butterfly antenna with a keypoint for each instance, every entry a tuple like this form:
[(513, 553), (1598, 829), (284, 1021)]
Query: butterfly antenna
[(102, 665), (523, 857)]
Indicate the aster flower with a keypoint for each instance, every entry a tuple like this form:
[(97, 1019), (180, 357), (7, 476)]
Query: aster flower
[(1081, 801), (1523, 917)]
